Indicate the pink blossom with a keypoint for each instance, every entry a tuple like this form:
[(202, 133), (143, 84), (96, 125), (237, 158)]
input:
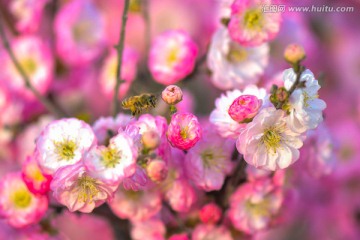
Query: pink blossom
[(92, 226), (113, 163), (294, 53), (213, 232), (36, 181), (73, 187), (17, 204), (35, 58), (28, 14), (209, 162), (63, 142), (135, 206), (152, 229), (180, 195), (210, 213), (79, 30), (172, 56), (178, 192), (157, 170), (106, 127), (250, 25), (184, 131), (137, 181), (172, 94), (150, 140), (244, 108), (255, 205), (128, 72)]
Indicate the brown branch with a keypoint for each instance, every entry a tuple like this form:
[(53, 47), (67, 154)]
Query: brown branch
[(120, 49), (47, 104)]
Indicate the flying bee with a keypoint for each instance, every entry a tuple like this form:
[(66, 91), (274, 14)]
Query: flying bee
[(137, 104)]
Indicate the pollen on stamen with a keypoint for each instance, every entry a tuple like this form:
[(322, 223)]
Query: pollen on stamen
[(66, 149), (87, 188)]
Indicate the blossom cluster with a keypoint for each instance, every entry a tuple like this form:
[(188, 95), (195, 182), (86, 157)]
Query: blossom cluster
[(216, 139)]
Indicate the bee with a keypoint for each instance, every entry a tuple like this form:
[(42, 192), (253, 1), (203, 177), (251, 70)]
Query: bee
[(137, 104)]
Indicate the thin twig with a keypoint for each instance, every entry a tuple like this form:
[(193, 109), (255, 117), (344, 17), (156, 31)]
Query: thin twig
[(297, 81), (120, 49), (146, 16), (48, 105)]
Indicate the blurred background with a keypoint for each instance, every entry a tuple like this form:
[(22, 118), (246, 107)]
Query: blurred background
[(322, 208)]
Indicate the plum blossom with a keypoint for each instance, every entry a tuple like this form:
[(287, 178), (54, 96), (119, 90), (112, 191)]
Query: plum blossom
[(226, 126), (113, 163), (318, 152), (130, 59), (184, 131), (17, 204), (172, 56), (250, 25), (254, 206), (63, 142), (208, 163), (34, 56), (233, 65), (73, 187), (135, 205), (137, 181), (36, 181), (304, 106), (268, 142), (157, 170), (209, 231), (244, 108), (79, 30), (152, 229), (178, 191), (105, 127), (28, 14)]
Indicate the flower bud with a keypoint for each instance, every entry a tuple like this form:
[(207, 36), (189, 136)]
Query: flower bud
[(294, 53), (157, 170), (172, 95), (210, 213), (244, 108), (150, 140)]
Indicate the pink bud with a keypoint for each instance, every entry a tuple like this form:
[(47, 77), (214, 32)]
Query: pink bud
[(150, 139), (244, 108), (294, 53), (184, 131), (210, 213), (157, 170), (36, 181), (172, 95)]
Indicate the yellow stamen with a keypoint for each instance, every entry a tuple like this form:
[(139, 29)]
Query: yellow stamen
[(65, 149), (21, 198), (272, 138), (236, 53), (88, 189), (253, 19), (258, 209), (307, 98), (172, 56), (29, 65), (111, 157)]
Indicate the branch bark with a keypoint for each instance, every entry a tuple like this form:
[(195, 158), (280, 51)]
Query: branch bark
[(120, 49)]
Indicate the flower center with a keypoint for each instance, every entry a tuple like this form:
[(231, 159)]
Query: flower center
[(236, 53), (184, 132), (172, 56), (272, 138), (87, 188), (135, 6), (307, 98), (253, 19), (208, 158), (82, 32), (111, 157), (66, 149), (258, 209), (29, 65), (212, 158), (22, 198), (133, 195)]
